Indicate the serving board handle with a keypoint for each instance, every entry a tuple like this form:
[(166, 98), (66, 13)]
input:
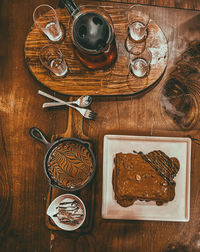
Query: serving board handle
[(87, 194), (75, 125)]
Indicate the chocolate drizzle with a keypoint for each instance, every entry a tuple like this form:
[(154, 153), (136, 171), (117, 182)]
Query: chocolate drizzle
[(166, 167), (69, 212)]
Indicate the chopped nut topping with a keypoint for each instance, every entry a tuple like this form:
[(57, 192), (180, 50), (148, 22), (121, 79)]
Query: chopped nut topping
[(138, 177)]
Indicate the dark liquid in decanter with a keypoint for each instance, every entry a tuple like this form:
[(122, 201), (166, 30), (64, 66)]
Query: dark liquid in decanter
[(93, 34)]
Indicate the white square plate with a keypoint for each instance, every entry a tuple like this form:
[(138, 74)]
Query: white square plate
[(176, 210)]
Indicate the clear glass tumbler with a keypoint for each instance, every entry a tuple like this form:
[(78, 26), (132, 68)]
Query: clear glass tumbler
[(138, 20), (139, 65), (46, 20), (52, 58)]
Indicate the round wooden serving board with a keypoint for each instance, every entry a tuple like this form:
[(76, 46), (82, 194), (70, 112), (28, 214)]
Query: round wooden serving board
[(82, 81)]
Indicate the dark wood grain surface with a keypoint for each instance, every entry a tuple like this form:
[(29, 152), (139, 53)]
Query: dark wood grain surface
[(23, 184)]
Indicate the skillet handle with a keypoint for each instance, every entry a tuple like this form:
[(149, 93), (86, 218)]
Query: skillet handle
[(38, 135)]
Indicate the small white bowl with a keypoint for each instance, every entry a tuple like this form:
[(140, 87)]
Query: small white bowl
[(73, 209)]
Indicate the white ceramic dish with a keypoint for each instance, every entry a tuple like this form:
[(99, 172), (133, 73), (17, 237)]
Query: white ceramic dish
[(52, 210), (176, 210)]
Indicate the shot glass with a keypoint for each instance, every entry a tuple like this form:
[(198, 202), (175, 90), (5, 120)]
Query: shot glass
[(134, 47), (138, 20), (46, 20), (139, 65), (52, 59)]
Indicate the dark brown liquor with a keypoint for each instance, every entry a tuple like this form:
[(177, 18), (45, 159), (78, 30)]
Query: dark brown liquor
[(101, 60)]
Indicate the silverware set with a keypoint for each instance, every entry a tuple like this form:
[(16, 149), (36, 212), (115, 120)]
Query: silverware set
[(80, 104)]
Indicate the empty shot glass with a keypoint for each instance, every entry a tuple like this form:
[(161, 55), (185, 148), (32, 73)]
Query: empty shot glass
[(45, 18), (52, 59), (138, 20), (134, 47), (139, 65)]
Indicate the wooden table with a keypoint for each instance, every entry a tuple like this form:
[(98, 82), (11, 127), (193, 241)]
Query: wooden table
[(23, 185)]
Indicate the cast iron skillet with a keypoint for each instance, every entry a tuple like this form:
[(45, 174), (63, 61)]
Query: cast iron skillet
[(51, 147)]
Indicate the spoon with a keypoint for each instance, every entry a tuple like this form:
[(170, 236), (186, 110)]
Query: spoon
[(83, 101)]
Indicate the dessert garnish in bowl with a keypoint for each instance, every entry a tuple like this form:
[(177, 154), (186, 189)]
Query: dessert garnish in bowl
[(67, 211)]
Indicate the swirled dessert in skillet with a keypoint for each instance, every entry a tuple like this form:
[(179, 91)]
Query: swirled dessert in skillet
[(144, 177), (70, 164)]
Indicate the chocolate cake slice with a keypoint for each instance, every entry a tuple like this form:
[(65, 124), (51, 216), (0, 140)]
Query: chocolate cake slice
[(149, 177)]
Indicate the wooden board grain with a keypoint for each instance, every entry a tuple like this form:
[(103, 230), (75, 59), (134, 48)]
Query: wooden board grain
[(86, 194), (116, 80)]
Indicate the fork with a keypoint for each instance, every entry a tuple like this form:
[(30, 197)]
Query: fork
[(87, 113)]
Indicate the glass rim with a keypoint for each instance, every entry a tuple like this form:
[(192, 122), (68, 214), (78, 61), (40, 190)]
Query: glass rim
[(42, 5), (137, 5), (146, 52), (145, 13), (49, 46)]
